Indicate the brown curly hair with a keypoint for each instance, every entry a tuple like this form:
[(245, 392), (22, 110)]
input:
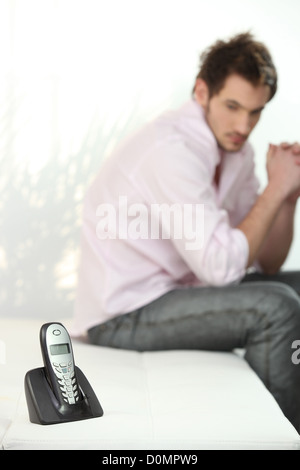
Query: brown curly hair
[(242, 55)]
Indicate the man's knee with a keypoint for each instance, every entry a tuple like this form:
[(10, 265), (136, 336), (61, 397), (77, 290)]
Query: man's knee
[(282, 304)]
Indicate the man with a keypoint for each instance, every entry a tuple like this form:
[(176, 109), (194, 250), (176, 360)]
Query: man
[(156, 279)]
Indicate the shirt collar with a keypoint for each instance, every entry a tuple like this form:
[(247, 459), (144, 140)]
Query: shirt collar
[(195, 127)]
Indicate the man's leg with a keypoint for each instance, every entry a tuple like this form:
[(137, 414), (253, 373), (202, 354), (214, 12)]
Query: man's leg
[(262, 317), (291, 278)]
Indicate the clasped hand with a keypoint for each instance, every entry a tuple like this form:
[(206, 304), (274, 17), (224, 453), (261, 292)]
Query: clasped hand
[(283, 167)]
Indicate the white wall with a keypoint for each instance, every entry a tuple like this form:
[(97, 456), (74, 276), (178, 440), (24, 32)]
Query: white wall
[(78, 75)]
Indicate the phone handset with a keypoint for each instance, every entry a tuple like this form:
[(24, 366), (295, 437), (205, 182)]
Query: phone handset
[(59, 363)]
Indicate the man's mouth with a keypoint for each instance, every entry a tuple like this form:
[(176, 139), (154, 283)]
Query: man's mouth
[(237, 138)]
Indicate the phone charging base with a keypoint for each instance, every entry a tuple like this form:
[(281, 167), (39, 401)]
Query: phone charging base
[(44, 408)]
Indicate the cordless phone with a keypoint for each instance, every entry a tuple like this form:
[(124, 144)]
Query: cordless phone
[(59, 392), (59, 363)]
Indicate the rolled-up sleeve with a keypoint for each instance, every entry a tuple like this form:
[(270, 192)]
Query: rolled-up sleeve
[(223, 255)]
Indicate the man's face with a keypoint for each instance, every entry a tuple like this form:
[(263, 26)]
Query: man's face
[(234, 112)]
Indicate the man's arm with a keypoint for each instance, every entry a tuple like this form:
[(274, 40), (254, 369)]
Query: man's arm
[(276, 247), (278, 243), (269, 213)]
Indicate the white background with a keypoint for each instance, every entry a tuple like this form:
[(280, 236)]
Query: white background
[(76, 77)]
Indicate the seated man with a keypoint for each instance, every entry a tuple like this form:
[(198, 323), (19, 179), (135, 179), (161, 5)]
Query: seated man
[(174, 220)]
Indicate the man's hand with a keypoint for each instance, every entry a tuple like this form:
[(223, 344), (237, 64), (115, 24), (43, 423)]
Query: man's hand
[(295, 147), (283, 168), (295, 150)]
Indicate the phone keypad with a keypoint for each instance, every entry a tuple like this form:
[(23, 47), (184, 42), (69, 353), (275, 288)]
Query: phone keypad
[(67, 381)]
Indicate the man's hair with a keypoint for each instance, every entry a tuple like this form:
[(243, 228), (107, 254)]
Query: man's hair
[(240, 55)]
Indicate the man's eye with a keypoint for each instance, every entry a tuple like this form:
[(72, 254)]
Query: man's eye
[(256, 113), (232, 107)]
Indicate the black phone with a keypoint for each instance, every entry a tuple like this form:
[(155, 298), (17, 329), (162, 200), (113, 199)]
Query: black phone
[(59, 363)]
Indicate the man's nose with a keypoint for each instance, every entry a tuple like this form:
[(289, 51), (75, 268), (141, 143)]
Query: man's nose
[(243, 124)]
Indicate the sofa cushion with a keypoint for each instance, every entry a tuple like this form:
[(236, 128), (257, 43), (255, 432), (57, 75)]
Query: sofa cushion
[(173, 400)]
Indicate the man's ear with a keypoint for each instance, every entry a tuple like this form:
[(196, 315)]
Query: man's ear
[(201, 92)]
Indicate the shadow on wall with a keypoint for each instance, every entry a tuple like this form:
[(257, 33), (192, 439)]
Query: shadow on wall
[(40, 219)]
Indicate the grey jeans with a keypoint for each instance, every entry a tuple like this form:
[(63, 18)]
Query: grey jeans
[(260, 315)]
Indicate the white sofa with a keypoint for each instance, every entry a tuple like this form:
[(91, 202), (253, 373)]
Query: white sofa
[(174, 400)]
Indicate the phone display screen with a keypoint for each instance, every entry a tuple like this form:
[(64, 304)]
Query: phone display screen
[(57, 349)]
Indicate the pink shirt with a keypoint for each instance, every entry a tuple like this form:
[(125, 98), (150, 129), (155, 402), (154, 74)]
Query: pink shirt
[(170, 161)]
